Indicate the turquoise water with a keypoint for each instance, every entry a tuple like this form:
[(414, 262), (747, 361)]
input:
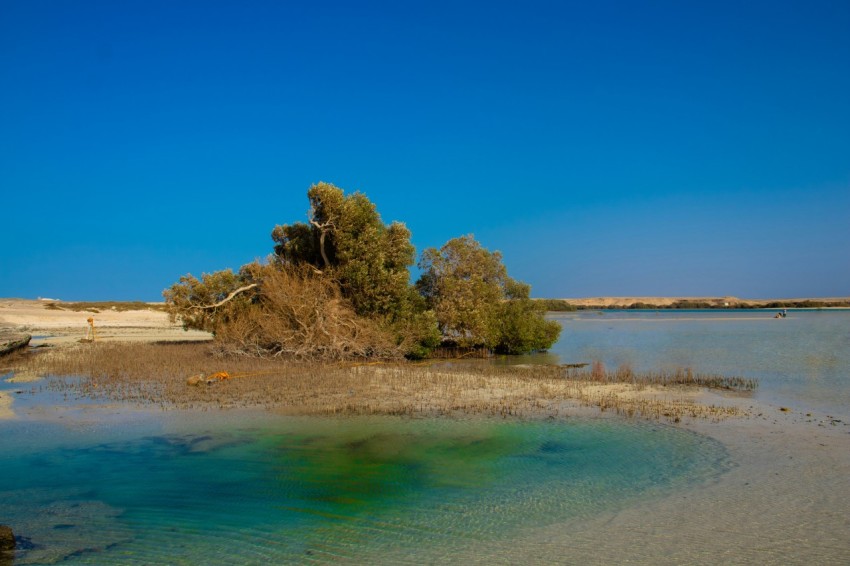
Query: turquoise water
[(802, 361), (253, 488)]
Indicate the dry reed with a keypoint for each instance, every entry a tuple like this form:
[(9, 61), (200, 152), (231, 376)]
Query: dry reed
[(156, 374)]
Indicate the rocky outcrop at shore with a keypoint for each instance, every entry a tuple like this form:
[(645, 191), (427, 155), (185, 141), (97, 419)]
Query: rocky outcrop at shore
[(11, 342)]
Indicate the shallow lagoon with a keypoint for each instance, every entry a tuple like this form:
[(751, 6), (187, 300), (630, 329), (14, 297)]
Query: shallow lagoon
[(802, 361), (250, 488)]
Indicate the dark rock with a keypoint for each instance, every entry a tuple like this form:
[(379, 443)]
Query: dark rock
[(11, 342), (7, 538), (23, 543)]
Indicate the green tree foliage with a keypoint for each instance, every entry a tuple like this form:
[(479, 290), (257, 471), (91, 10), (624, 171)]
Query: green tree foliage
[(191, 300), (476, 303), (521, 324), (347, 239), (463, 283)]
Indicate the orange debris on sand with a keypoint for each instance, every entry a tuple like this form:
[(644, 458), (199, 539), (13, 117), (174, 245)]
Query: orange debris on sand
[(199, 378), (208, 379)]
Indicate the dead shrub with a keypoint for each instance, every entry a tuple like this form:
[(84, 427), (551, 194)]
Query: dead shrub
[(301, 314)]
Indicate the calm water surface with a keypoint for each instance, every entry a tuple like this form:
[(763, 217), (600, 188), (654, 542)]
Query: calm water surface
[(802, 361)]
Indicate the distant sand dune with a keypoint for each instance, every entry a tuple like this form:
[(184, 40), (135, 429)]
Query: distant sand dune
[(667, 301)]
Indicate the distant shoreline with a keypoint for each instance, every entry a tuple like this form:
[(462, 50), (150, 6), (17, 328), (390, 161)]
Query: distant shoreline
[(655, 303)]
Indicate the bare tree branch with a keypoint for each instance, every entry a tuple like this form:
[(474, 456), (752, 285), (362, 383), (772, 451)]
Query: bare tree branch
[(229, 296)]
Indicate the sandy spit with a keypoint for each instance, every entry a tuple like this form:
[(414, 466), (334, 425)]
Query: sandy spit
[(56, 326)]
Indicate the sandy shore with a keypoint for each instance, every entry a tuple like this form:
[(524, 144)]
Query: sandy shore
[(52, 326)]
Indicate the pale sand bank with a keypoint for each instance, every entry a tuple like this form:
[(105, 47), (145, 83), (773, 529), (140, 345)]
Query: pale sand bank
[(57, 326)]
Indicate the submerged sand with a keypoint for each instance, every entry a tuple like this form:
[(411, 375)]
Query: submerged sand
[(783, 501), (6, 411)]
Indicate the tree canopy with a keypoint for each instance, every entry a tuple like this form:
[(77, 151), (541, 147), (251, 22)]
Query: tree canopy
[(477, 304), (346, 238), (338, 287)]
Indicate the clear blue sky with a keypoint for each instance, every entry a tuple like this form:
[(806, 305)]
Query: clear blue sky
[(606, 148)]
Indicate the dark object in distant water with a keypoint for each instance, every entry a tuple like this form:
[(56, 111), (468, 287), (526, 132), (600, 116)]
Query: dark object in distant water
[(7, 538), (10, 343)]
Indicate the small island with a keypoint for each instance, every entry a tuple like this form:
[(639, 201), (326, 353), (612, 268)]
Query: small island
[(330, 324)]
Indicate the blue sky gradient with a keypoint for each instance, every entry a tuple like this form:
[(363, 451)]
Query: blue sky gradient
[(606, 148)]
